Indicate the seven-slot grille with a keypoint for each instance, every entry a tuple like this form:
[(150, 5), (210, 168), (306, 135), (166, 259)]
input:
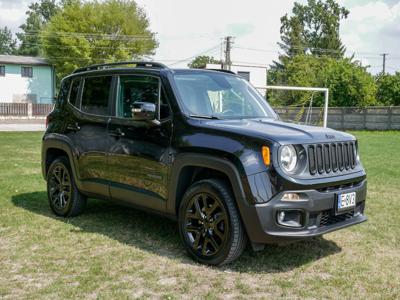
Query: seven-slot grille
[(332, 157)]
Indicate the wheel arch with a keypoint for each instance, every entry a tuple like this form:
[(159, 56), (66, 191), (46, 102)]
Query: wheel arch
[(188, 168), (54, 147)]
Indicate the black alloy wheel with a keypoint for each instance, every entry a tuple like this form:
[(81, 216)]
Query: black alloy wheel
[(65, 200), (209, 223), (206, 224), (60, 189)]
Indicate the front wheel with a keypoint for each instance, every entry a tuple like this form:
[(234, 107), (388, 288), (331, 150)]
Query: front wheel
[(64, 197), (209, 223)]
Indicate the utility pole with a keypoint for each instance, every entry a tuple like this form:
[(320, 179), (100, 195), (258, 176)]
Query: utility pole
[(384, 63), (228, 48)]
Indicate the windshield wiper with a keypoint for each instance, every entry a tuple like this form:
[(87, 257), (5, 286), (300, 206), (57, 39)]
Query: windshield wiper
[(204, 117)]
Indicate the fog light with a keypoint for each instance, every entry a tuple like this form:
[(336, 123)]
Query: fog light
[(291, 197), (281, 217), (290, 218)]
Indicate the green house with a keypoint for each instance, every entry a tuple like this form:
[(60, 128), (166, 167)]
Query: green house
[(25, 79)]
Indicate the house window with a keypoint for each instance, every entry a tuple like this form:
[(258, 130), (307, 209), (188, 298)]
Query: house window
[(244, 75), (27, 72), (2, 70)]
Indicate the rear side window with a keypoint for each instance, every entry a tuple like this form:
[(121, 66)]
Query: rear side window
[(73, 95), (64, 89), (96, 94)]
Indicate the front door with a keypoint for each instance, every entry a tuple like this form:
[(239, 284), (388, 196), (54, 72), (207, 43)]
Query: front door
[(139, 153)]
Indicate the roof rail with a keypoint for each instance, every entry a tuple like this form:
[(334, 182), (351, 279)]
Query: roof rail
[(142, 64), (222, 70)]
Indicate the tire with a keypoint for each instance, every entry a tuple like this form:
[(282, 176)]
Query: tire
[(209, 223), (65, 200)]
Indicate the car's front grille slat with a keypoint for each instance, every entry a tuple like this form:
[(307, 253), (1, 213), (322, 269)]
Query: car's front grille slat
[(331, 157), (311, 161), (320, 159)]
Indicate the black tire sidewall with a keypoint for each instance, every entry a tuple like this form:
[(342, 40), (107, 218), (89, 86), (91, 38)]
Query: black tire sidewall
[(207, 187)]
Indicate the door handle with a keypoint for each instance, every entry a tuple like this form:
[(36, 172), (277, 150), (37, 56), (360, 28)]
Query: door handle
[(117, 132), (74, 127)]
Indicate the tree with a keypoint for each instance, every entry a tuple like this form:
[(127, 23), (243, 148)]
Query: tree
[(38, 14), (7, 43), (84, 33), (388, 92), (313, 28), (349, 83), (200, 62)]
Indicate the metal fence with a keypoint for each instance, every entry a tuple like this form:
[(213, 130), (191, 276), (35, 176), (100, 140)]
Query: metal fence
[(370, 118), (14, 109), (25, 110), (41, 109)]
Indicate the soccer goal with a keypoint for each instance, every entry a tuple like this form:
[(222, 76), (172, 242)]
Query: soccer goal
[(306, 114)]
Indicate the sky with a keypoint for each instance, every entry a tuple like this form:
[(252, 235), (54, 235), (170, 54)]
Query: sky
[(187, 28)]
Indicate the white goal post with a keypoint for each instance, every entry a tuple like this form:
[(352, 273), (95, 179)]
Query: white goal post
[(298, 88)]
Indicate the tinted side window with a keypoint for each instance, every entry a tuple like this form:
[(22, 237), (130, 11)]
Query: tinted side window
[(95, 96), (73, 95), (139, 89), (64, 89)]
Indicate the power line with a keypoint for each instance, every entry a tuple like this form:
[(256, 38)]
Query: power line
[(212, 50)]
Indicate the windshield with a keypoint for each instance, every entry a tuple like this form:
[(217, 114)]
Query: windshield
[(222, 96)]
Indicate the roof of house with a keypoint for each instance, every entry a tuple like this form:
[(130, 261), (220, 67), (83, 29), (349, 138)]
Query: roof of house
[(23, 60)]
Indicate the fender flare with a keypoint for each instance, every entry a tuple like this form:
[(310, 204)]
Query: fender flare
[(60, 142), (206, 161)]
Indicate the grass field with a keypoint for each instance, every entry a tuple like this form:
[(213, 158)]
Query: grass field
[(114, 252)]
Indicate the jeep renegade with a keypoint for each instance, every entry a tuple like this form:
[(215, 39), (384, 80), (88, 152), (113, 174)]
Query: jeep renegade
[(202, 147)]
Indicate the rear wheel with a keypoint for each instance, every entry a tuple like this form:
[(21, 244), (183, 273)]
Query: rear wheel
[(64, 197), (209, 223)]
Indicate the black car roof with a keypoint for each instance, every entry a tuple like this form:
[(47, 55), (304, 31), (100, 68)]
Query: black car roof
[(136, 66)]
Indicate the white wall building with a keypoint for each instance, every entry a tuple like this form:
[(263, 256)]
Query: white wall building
[(257, 76), (26, 79)]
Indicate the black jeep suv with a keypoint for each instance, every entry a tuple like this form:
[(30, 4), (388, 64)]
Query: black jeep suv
[(202, 147)]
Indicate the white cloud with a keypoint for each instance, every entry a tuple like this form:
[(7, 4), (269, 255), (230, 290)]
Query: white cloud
[(186, 28), (13, 13), (371, 29)]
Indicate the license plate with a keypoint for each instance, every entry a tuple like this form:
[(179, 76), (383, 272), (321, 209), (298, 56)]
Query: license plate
[(346, 201)]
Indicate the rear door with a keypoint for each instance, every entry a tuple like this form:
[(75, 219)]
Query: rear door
[(90, 102), (139, 152)]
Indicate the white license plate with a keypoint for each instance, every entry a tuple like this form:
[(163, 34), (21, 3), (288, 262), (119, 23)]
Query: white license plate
[(346, 201)]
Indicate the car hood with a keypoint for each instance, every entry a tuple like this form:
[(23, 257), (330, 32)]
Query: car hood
[(278, 131)]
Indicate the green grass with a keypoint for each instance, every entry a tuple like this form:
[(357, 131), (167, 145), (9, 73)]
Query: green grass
[(114, 252)]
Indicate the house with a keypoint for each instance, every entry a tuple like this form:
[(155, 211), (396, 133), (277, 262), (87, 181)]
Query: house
[(256, 75), (25, 79)]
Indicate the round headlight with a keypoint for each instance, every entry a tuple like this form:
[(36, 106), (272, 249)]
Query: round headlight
[(288, 158)]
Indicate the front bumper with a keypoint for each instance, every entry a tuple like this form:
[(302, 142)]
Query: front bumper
[(318, 211)]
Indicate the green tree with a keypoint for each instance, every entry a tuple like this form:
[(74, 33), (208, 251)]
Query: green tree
[(38, 14), (84, 33), (388, 92), (200, 62), (7, 43), (313, 28), (349, 83)]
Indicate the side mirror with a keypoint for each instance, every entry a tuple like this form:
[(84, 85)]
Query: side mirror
[(144, 111)]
